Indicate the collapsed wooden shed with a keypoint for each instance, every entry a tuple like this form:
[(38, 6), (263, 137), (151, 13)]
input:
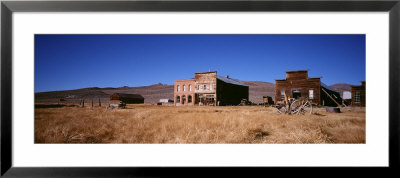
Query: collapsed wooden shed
[(267, 100), (125, 98)]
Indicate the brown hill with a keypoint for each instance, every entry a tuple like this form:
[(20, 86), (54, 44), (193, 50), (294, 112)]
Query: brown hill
[(258, 89), (151, 93), (340, 87)]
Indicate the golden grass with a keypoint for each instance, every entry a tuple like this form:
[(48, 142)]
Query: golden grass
[(196, 124)]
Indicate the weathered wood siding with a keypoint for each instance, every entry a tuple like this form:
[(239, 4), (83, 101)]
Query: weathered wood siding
[(362, 91), (294, 75), (301, 84)]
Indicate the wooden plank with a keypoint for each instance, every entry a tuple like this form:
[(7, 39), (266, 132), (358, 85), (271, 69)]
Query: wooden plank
[(330, 96)]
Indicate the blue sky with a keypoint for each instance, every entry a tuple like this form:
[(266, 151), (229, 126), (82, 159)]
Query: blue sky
[(64, 62)]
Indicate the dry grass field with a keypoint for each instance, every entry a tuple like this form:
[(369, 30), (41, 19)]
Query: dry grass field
[(196, 124)]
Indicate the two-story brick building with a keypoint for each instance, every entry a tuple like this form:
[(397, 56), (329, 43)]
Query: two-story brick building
[(207, 88)]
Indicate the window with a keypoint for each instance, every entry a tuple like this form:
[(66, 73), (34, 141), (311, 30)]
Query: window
[(178, 88), (178, 99), (211, 87), (189, 98), (209, 99), (357, 97), (198, 87), (282, 94), (205, 87), (311, 94), (184, 88), (190, 87)]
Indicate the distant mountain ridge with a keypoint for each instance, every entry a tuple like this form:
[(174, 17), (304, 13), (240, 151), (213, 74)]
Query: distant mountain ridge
[(153, 93), (340, 87)]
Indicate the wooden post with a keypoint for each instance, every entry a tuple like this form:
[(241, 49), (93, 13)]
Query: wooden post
[(92, 102), (83, 103), (287, 103), (99, 103)]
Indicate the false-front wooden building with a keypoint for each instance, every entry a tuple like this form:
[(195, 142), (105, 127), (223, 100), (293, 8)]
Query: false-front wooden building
[(126, 98), (298, 84), (207, 88), (358, 94)]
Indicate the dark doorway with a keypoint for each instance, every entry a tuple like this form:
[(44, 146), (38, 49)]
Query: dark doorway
[(296, 94), (183, 99)]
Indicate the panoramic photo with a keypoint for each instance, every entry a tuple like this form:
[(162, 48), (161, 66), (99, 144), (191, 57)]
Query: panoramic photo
[(200, 88)]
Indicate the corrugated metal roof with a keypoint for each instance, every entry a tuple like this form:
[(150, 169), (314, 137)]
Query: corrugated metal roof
[(231, 80)]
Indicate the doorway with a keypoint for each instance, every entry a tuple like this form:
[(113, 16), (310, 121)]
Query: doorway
[(296, 94)]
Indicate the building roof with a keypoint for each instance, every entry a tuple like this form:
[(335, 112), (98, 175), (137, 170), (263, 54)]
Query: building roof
[(292, 71), (355, 86), (326, 86), (231, 80), (206, 72), (184, 80), (126, 95)]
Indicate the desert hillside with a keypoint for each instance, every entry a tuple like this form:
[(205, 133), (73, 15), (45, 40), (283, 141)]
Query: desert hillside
[(340, 87), (151, 93)]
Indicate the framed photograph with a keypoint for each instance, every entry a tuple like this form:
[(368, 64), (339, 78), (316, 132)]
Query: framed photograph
[(142, 88)]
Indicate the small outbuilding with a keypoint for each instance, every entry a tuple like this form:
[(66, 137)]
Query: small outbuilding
[(267, 100), (358, 94), (166, 101), (126, 98)]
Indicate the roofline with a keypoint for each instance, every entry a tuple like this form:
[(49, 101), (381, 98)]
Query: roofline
[(291, 71), (307, 78), (205, 72), (184, 80), (358, 85)]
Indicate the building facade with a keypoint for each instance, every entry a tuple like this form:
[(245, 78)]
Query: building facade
[(358, 95), (297, 84), (207, 88)]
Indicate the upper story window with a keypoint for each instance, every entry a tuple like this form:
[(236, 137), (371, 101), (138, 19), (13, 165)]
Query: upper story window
[(282, 94), (357, 97), (205, 87), (311, 94), (178, 88), (198, 87), (190, 87), (184, 88), (211, 86)]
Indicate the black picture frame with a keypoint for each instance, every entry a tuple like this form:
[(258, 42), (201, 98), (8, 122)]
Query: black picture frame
[(8, 7)]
